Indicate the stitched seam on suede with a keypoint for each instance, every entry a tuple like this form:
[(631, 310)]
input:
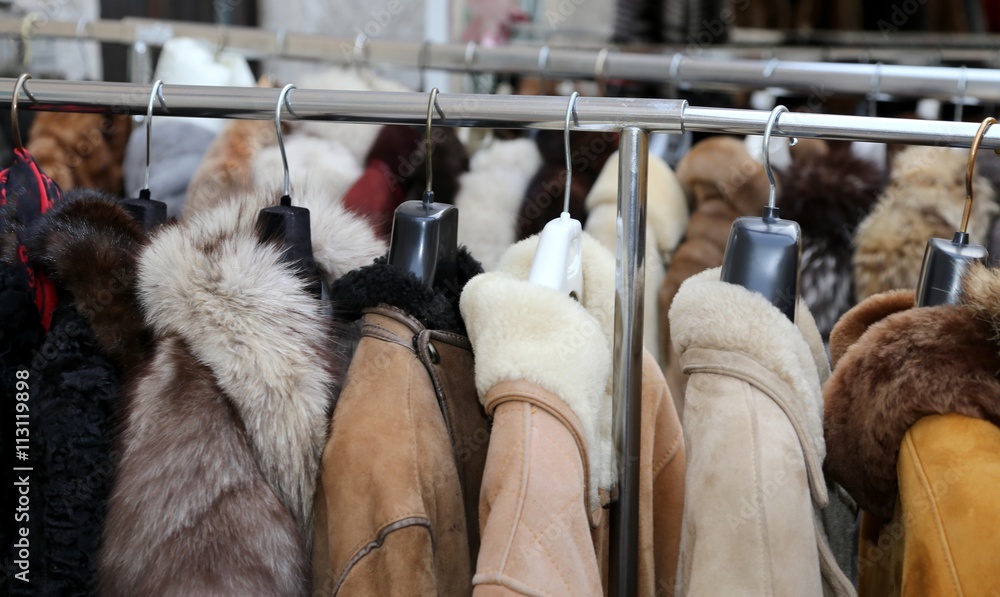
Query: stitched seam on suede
[(396, 314), (516, 523), (667, 458), (373, 330), (527, 395), (829, 569), (377, 542), (814, 468), (763, 541), (918, 468)]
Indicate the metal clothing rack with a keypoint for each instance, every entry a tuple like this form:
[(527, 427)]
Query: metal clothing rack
[(677, 68), (634, 119)]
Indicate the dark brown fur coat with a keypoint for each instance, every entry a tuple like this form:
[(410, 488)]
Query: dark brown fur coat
[(895, 364)]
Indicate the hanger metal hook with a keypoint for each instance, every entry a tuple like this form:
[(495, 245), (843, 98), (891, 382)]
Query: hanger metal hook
[(599, 64), (963, 87), (15, 128), (543, 61), (157, 92), (771, 122), (969, 169), (876, 90), (283, 101), (569, 161), (429, 145)]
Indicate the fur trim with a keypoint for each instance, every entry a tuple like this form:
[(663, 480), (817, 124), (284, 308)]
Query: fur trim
[(709, 313), (246, 315), (722, 168), (828, 195), (342, 241), (523, 331), (864, 315), (907, 365), (924, 200), (490, 196), (89, 246), (381, 283)]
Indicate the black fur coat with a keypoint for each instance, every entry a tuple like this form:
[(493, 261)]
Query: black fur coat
[(87, 246)]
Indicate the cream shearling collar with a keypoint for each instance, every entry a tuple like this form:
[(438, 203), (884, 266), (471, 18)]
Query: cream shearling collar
[(709, 313), (523, 331)]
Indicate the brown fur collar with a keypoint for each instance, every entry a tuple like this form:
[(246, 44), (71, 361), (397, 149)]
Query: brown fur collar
[(89, 247), (896, 364)]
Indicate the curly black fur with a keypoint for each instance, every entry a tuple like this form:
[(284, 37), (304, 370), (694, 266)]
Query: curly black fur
[(828, 196), (380, 283), (73, 414)]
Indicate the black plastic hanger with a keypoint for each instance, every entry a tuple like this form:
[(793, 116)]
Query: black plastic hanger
[(146, 211), (424, 237), (287, 224), (763, 253), (945, 262)]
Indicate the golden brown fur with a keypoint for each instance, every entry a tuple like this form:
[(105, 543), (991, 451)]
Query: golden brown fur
[(81, 150), (925, 199), (899, 365)]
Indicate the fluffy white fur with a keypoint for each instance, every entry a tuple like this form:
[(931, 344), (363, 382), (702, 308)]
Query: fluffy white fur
[(357, 138), (247, 318), (490, 196), (667, 217), (709, 313), (523, 331)]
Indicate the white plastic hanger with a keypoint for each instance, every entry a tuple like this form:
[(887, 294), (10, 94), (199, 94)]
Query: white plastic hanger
[(558, 260)]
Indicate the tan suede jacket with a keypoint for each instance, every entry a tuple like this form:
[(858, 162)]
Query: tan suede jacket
[(542, 370), (753, 419), (396, 506)]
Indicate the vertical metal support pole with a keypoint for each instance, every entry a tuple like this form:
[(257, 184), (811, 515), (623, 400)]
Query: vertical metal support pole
[(630, 278)]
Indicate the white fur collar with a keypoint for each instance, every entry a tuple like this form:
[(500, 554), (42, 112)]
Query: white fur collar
[(491, 195), (523, 331), (709, 313), (246, 315)]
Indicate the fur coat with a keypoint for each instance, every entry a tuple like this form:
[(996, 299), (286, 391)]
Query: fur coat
[(828, 194), (924, 199), (226, 420), (753, 421), (81, 150), (88, 247), (913, 427), (666, 219)]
